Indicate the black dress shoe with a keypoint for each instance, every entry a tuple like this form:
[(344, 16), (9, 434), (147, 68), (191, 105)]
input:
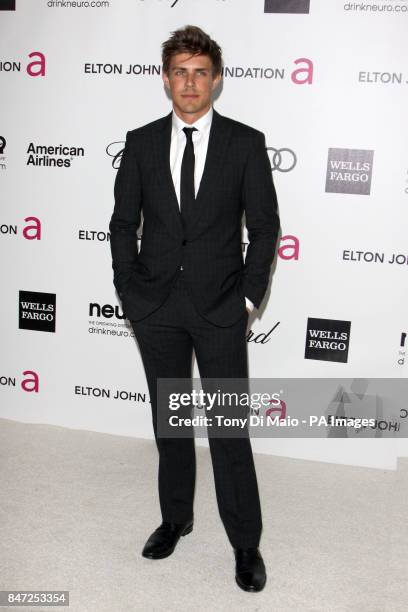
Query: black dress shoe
[(250, 572), (163, 540)]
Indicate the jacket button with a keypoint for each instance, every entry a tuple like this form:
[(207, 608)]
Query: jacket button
[(184, 242)]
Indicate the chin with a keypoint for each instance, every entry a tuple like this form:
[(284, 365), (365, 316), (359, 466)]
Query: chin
[(192, 103), (189, 109)]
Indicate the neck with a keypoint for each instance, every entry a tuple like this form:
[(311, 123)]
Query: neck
[(190, 118)]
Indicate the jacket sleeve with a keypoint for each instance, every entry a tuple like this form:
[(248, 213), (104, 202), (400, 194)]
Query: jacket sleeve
[(262, 221), (125, 219)]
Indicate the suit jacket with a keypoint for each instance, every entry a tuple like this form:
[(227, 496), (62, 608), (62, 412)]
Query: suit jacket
[(237, 178)]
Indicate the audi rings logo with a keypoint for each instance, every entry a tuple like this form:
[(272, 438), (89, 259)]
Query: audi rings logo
[(115, 150), (283, 160)]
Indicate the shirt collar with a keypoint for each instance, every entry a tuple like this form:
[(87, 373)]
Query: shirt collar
[(201, 124)]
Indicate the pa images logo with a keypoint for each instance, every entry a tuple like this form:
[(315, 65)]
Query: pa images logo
[(327, 340), (287, 6)]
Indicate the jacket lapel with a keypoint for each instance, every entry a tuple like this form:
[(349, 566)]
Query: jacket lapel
[(217, 146), (161, 143)]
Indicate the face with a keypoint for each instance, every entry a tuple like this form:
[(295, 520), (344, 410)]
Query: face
[(190, 82)]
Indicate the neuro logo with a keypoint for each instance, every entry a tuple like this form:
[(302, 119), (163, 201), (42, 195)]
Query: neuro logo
[(327, 340), (287, 6)]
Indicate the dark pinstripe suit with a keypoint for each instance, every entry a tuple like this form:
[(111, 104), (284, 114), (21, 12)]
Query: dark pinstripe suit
[(202, 307)]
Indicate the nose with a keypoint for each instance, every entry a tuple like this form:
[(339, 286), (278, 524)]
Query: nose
[(190, 79)]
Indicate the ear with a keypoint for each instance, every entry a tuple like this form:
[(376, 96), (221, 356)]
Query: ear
[(216, 81), (166, 81)]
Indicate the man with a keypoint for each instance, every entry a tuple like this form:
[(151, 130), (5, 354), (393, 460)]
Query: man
[(193, 173)]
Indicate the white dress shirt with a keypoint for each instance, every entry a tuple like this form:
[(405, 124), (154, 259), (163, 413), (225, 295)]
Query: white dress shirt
[(200, 142)]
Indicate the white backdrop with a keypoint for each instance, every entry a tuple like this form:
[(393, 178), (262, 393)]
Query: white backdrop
[(348, 121)]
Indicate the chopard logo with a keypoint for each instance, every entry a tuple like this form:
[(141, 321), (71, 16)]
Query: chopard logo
[(283, 160), (115, 150)]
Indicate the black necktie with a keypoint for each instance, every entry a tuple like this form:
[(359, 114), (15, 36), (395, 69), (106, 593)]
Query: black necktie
[(187, 194)]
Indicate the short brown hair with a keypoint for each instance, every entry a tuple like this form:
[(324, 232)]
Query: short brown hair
[(191, 39)]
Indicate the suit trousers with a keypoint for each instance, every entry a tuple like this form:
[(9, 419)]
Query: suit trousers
[(166, 339)]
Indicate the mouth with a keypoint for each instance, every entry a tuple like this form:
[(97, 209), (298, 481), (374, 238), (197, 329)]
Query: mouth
[(189, 95)]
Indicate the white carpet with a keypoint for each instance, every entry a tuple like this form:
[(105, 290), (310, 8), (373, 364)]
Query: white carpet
[(76, 508)]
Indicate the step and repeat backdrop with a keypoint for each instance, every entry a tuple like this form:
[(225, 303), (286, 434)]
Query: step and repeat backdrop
[(325, 80)]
